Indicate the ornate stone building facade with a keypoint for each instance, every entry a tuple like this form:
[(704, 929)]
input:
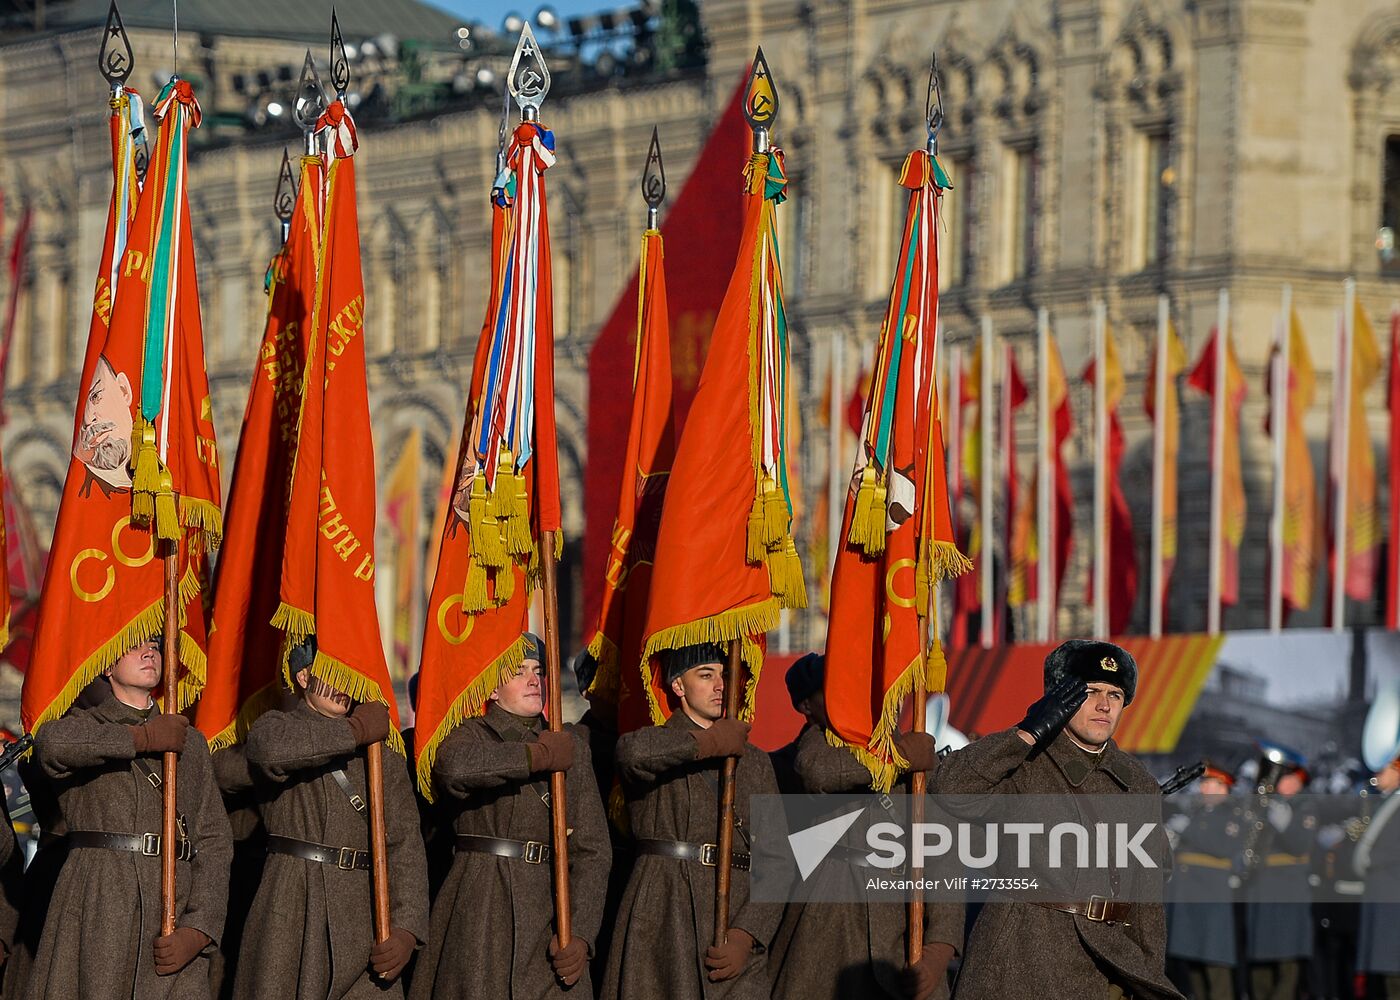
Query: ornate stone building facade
[(1113, 149)]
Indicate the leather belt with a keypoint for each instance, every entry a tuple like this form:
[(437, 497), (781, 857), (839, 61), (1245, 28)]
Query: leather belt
[(1195, 859), (347, 859), (1099, 909), (145, 844), (705, 854), (532, 852)]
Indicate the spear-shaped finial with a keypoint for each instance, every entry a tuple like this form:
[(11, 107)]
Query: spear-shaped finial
[(310, 102), (654, 179), (115, 58), (286, 197), (340, 66), (933, 107), (761, 102), (528, 81)]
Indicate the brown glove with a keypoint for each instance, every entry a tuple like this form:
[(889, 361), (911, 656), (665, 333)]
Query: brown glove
[(919, 749), (551, 752), (724, 738), (920, 981), (388, 957), (727, 960), (369, 722), (177, 949), (569, 961), (160, 734)]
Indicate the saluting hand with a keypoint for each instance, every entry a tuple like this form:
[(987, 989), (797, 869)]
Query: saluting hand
[(1048, 716)]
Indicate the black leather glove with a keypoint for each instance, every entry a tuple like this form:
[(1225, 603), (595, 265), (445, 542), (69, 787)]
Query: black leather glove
[(1048, 716)]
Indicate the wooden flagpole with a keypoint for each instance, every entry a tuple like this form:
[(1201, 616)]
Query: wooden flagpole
[(1159, 471), (1045, 543), (727, 775), (984, 505), (169, 836), (558, 794)]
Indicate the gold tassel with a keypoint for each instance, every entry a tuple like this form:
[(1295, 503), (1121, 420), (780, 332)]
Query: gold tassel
[(503, 489), (860, 518), (505, 585), (490, 546), (879, 510), (517, 535), (921, 584), (474, 597), (775, 514), (755, 549), (796, 594), (167, 521), (143, 508), (476, 513)]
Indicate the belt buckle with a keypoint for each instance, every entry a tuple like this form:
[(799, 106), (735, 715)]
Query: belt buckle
[(534, 852), (709, 855), (1100, 913), (150, 845), (345, 859)]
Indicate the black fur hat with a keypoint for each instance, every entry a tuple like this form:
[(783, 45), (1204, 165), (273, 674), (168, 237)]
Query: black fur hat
[(804, 678), (1094, 662), (678, 661)]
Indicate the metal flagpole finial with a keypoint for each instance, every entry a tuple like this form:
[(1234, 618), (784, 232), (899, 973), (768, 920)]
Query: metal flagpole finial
[(933, 107), (340, 66), (115, 58), (761, 102), (502, 131), (528, 81), (311, 100), (286, 197), (654, 179)]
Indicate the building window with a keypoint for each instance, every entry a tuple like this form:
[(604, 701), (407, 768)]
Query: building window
[(955, 225), (1157, 181), (1390, 208), (887, 222), (1021, 209)]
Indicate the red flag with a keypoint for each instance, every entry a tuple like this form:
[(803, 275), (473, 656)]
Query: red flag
[(1232, 515), (616, 643), (1122, 553), (245, 651), (19, 255), (327, 582), (701, 231), (145, 462), (897, 537), (1015, 395), (1358, 466), (1171, 444), (507, 494), (1300, 526), (726, 563)]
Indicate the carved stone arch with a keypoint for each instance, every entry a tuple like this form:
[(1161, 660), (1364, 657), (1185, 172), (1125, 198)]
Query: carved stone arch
[(36, 463), (957, 73), (887, 100), (1015, 69), (1146, 61), (1375, 55)]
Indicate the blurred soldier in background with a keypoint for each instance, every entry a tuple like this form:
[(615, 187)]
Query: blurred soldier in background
[(1201, 915), (1377, 860)]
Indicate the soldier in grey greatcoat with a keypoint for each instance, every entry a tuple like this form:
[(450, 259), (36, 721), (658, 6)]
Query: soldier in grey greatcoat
[(855, 950), (1093, 948), (661, 947), (310, 933), (1278, 841), (1377, 860), (102, 935), (493, 934), (1201, 911)]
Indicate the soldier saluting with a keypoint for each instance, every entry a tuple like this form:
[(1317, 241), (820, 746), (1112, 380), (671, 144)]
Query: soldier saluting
[(102, 935), (1104, 949)]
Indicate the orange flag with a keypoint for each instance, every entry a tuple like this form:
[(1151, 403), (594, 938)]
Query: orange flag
[(726, 564), (897, 535), (1232, 498), (1122, 553), (145, 461), (1171, 445), (1363, 516), (245, 651), (402, 512), (1300, 527), (616, 644), (327, 586), (507, 487)]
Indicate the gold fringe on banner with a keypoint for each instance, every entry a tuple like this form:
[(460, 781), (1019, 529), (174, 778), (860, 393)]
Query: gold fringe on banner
[(265, 699), (606, 679), (346, 678), (740, 623), (881, 756), (467, 705), (504, 581)]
